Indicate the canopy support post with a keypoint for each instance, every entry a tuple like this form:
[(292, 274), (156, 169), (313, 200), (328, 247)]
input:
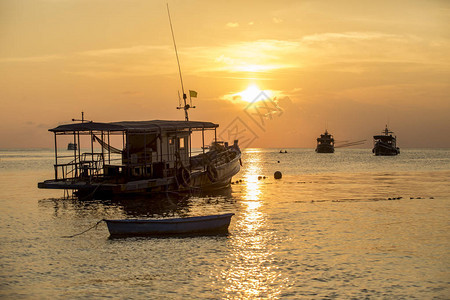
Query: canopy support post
[(56, 159)]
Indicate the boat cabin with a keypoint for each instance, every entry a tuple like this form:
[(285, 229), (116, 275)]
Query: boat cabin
[(385, 144), (325, 143), (326, 139), (148, 149), (387, 138)]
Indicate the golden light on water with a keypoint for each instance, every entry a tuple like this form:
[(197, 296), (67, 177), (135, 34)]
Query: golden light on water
[(252, 269)]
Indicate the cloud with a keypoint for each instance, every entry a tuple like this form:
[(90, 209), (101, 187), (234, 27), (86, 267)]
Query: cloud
[(334, 36), (349, 52), (251, 57), (277, 20), (232, 24), (139, 49), (125, 51), (33, 59)]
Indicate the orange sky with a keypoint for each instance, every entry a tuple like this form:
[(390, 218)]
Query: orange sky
[(350, 66)]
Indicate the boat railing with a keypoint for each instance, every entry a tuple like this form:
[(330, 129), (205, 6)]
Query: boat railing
[(87, 165), (225, 157), (217, 158)]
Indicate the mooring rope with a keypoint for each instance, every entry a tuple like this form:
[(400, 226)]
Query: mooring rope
[(90, 195), (95, 226)]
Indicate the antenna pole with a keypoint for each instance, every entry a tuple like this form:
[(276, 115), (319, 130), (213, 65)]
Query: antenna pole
[(82, 119), (186, 106)]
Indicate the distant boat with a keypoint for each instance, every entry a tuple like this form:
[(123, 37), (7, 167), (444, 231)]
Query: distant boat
[(177, 226), (72, 146), (385, 144), (325, 143)]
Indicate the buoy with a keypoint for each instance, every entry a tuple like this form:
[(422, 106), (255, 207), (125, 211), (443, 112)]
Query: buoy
[(277, 175)]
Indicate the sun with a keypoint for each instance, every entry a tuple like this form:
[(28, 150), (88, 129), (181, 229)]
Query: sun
[(254, 94)]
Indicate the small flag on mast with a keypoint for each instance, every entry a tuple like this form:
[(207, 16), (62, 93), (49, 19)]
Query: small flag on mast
[(192, 94)]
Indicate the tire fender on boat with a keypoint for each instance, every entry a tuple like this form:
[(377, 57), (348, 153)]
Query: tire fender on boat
[(211, 171), (184, 176)]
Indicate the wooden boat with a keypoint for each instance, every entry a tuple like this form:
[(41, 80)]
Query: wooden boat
[(385, 144), (178, 226), (154, 156), (325, 143)]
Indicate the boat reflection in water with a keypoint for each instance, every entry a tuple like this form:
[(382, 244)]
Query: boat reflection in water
[(252, 268), (162, 205)]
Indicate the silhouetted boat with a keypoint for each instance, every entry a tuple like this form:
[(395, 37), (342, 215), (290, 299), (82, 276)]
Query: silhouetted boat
[(178, 226), (325, 143), (155, 156), (385, 144)]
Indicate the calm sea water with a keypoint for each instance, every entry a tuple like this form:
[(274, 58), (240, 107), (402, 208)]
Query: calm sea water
[(344, 225)]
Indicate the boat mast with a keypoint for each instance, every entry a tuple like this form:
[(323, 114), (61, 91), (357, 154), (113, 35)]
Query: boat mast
[(82, 119), (186, 106)]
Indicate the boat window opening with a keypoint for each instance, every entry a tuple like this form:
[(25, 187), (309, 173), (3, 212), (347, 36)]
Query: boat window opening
[(181, 143)]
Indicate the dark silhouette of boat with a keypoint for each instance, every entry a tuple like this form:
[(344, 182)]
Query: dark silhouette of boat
[(156, 156), (325, 143), (385, 144)]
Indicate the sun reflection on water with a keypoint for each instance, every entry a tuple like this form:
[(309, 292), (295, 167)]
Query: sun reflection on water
[(252, 269)]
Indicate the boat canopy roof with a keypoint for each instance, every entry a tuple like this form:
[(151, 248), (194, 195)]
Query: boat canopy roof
[(136, 126), (383, 137)]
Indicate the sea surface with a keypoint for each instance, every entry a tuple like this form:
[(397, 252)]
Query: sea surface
[(347, 225)]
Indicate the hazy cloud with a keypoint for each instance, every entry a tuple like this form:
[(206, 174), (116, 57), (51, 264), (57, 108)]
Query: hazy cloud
[(232, 24), (277, 20), (33, 59), (330, 36), (125, 51)]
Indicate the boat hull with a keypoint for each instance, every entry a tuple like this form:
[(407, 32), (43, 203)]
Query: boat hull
[(385, 150), (225, 173), (179, 226), (325, 149), (198, 180)]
